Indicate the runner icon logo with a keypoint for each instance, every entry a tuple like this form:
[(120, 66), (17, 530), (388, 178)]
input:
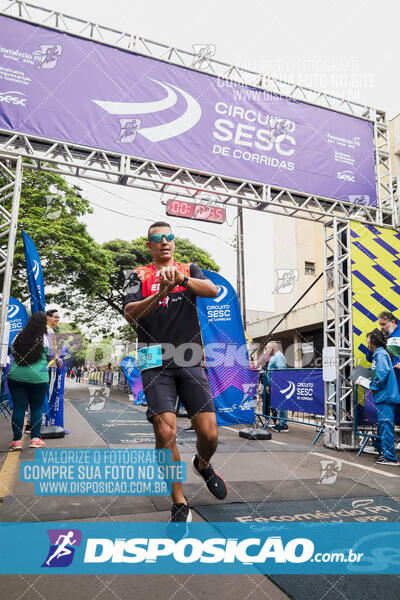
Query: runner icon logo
[(62, 547), (128, 129), (98, 395), (329, 471), (48, 56), (287, 279)]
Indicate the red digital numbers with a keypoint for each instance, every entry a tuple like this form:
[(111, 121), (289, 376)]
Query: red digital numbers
[(199, 212)]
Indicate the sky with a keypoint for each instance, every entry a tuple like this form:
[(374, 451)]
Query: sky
[(349, 49)]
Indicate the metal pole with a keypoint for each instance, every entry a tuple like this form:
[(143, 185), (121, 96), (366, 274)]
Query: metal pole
[(242, 269), (4, 326), (238, 264)]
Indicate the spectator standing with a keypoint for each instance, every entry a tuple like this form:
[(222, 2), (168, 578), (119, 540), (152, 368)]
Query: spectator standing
[(28, 379), (277, 361), (386, 396)]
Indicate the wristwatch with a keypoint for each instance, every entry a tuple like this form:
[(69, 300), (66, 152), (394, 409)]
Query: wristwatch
[(184, 282)]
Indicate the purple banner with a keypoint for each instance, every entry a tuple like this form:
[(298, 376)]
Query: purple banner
[(300, 390), (366, 410), (65, 88)]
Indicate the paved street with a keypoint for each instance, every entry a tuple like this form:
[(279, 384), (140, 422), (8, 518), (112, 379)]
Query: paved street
[(278, 479)]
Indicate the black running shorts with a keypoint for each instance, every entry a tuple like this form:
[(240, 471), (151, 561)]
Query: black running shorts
[(162, 386)]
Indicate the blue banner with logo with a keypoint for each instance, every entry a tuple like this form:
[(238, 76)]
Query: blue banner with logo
[(35, 274), (17, 317), (233, 384), (300, 390), (210, 548), (133, 378)]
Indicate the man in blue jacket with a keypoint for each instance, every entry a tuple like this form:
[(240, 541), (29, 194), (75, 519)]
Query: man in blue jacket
[(390, 328), (277, 361), (386, 396)]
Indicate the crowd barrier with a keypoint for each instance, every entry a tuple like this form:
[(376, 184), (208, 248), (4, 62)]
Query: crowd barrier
[(365, 422), (298, 391), (115, 380), (305, 408)]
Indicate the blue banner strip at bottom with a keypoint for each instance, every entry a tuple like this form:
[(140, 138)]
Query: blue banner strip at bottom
[(220, 548)]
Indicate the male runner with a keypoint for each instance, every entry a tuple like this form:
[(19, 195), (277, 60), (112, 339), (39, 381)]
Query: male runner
[(160, 303)]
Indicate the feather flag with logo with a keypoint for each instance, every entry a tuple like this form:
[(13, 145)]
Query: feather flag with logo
[(133, 378), (17, 317), (233, 384), (35, 274)]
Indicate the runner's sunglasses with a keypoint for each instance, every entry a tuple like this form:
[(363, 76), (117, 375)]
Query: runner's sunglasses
[(157, 237)]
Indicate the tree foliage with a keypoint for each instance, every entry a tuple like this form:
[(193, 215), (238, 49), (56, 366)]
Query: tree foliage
[(71, 260)]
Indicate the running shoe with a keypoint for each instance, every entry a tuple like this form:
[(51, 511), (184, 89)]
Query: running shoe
[(371, 450), (280, 428), (37, 443), (177, 527), (16, 445), (213, 480), (180, 513), (384, 461)]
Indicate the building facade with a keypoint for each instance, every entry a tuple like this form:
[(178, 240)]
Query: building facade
[(298, 261)]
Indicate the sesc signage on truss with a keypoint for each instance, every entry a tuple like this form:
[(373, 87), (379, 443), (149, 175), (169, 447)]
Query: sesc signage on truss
[(61, 87)]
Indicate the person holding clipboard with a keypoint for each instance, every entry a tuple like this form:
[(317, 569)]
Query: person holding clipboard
[(386, 395)]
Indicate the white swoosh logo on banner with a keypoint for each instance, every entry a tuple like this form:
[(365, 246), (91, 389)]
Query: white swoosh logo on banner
[(291, 387), (142, 108), (35, 269), (12, 311), (190, 117), (222, 292), (186, 121)]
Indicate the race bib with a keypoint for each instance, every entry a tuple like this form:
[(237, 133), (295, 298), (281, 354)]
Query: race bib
[(149, 357)]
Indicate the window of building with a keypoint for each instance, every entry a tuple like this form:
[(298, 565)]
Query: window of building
[(309, 268)]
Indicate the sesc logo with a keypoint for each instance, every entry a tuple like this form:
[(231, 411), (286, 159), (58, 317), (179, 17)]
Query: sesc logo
[(13, 97), (222, 292), (345, 176), (13, 309), (35, 269), (130, 127), (289, 391)]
